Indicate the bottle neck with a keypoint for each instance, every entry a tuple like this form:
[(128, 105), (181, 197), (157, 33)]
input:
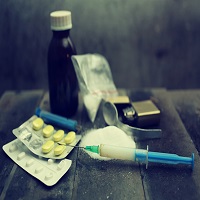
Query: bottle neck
[(59, 34)]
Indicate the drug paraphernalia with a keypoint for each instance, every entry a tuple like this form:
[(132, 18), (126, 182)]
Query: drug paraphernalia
[(110, 114), (48, 171), (139, 155), (142, 114), (95, 81), (57, 120), (42, 139), (139, 114)]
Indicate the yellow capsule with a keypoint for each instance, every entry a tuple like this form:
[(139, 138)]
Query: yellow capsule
[(70, 137), (47, 146), (58, 135), (48, 131), (38, 124), (59, 150)]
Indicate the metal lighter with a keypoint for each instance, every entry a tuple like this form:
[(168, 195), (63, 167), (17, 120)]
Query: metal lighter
[(139, 114)]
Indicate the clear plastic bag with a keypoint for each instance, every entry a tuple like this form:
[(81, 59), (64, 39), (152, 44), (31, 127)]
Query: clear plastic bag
[(95, 81)]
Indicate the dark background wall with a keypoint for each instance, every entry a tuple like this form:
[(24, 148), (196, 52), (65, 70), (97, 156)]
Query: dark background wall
[(148, 43)]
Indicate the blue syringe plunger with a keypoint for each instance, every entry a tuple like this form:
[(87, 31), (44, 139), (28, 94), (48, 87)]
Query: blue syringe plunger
[(166, 158)]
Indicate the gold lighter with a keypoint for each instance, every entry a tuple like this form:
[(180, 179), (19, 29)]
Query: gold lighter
[(139, 114)]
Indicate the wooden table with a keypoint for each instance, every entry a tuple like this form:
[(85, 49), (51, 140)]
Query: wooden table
[(94, 179)]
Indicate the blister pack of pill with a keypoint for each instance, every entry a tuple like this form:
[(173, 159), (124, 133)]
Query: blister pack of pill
[(48, 171), (45, 140)]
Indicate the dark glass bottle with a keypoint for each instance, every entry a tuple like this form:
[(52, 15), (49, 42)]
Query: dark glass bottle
[(63, 84)]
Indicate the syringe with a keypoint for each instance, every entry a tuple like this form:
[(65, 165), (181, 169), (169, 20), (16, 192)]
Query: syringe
[(139, 155), (57, 120)]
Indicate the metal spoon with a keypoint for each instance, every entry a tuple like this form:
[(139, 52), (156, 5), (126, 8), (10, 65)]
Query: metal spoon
[(110, 114)]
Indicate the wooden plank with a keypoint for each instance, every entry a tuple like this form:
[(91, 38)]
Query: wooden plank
[(112, 179), (162, 181), (187, 104), (15, 107)]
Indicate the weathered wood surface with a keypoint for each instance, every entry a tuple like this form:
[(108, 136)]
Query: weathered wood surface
[(89, 178)]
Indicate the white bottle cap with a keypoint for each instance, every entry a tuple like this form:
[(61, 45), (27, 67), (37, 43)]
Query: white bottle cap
[(61, 20)]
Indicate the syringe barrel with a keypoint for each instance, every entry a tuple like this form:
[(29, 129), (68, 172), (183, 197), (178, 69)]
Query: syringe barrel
[(117, 152), (56, 120)]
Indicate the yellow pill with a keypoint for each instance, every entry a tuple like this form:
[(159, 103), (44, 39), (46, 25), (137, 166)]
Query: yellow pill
[(59, 150), (58, 135), (48, 146), (70, 137), (48, 131), (38, 124)]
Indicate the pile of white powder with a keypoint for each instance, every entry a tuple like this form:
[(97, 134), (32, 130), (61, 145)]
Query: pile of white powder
[(109, 135)]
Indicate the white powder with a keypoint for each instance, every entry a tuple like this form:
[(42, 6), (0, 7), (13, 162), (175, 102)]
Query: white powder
[(109, 135)]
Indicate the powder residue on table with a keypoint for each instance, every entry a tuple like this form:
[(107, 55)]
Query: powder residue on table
[(109, 135)]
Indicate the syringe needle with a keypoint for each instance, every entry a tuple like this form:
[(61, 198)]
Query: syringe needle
[(62, 143)]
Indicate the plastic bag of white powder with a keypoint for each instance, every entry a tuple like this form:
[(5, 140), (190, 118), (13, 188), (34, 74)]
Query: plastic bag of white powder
[(95, 81)]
